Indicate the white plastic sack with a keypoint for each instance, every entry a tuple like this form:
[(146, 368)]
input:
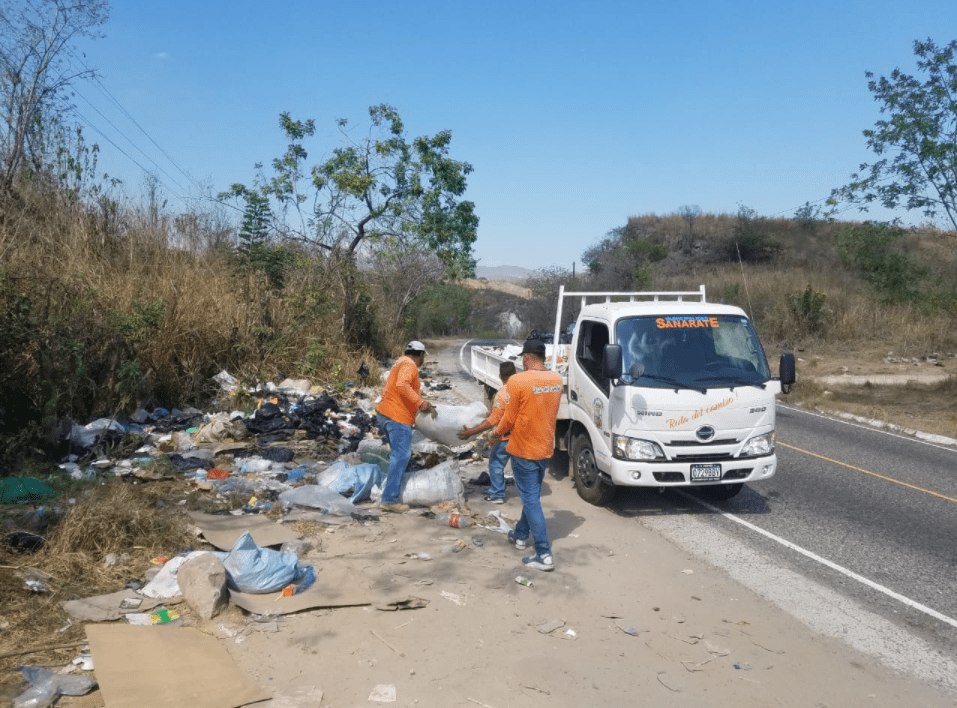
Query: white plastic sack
[(450, 421), (165, 584), (250, 568), (327, 500), (433, 485)]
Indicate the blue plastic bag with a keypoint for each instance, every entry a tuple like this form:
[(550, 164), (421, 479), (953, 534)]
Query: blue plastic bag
[(252, 569)]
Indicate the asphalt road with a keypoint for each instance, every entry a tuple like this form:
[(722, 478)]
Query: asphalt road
[(856, 521)]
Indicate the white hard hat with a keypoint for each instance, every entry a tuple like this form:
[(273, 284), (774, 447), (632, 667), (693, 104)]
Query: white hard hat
[(415, 346)]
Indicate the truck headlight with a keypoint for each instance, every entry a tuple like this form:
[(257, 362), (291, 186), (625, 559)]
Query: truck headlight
[(632, 449), (758, 446)]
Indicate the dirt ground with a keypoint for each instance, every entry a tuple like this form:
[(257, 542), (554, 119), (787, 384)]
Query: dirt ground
[(626, 618), (877, 385)]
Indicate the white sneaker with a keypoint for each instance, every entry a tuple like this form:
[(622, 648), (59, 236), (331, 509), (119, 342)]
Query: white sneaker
[(540, 562)]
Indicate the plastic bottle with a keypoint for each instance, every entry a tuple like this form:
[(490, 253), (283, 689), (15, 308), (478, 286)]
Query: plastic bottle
[(457, 520)]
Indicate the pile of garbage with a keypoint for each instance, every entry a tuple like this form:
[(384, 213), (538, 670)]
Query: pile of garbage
[(301, 452), (313, 455)]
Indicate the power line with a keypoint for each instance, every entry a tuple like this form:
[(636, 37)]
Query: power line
[(112, 125)]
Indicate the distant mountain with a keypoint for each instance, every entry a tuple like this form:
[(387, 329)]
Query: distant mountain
[(502, 272)]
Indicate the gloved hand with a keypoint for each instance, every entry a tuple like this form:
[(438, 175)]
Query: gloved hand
[(426, 407), (464, 433)]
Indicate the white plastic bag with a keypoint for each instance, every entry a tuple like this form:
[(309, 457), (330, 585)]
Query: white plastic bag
[(444, 428), (344, 478), (433, 485)]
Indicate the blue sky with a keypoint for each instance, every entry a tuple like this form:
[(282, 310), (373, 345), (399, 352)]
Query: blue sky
[(575, 116)]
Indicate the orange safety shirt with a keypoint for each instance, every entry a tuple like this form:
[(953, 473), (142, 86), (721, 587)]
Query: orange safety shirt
[(530, 413), (498, 408), (400, 397)]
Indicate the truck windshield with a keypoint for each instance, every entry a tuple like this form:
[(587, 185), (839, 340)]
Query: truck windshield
[(691, 351)]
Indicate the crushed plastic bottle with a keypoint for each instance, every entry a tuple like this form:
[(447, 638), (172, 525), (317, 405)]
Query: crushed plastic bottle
[(457, 520)]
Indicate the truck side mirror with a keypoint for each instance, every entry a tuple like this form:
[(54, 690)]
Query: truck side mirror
[(611, 361), (786, 371)]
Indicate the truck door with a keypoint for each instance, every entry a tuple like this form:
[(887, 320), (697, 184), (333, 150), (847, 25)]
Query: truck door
[(587, 389)]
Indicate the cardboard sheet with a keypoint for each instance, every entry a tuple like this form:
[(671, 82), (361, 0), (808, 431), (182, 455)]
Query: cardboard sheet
[(337, 584), (223, 530), (166, 667), (103, 608)]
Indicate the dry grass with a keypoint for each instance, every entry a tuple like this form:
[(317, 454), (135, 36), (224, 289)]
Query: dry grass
[(116, 517)]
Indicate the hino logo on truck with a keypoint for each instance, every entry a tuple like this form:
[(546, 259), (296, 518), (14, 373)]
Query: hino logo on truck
[(704, 433)]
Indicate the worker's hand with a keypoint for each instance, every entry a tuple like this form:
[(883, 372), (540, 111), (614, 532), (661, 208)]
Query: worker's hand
[(465, 433), (494, 439), (426, 407)]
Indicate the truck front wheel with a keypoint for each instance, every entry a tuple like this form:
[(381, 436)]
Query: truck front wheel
[(588, 481)]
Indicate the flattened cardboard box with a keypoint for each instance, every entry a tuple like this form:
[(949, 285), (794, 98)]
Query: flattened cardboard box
[(222, 530), (166, 667)]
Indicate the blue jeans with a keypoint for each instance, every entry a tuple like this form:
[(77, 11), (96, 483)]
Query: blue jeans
[(528, 478), (399, 437), (497, 459)]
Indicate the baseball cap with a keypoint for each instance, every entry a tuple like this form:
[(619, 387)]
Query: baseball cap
[(415, 346), (534, 346)]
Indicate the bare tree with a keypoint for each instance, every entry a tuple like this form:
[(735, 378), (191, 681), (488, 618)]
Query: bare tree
[(37, 67), (690, 213)]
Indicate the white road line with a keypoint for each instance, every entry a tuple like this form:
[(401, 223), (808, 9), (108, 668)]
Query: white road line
[(824, 561), (943, 445)]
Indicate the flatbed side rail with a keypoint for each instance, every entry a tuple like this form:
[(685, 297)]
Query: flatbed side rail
[(641, 296)]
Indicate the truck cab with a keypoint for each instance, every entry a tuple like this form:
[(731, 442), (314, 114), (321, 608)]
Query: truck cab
[(669, 390)]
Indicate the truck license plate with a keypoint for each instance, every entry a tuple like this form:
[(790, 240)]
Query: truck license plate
[(705, 473)]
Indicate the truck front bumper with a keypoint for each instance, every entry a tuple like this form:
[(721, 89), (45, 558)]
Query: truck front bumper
[(632, 473)]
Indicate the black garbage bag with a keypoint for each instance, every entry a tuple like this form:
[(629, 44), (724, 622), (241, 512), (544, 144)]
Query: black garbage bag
[(268, 419), (178, 420), (277, 454), (278, 436), (182, 462)]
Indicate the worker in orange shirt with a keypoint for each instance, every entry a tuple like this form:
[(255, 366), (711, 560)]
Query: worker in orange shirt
[(396, 415), (498, 456), (534, 396)]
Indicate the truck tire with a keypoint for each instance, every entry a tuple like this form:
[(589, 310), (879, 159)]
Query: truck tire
[(722, 492), (588, 482)]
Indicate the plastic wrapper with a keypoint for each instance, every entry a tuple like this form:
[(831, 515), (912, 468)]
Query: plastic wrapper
[(316, 496), (449, 421)]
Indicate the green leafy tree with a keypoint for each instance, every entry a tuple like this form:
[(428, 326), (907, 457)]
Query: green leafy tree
[(383, 188), (35, 73), (916, 143), (874, 249), (386, 185)]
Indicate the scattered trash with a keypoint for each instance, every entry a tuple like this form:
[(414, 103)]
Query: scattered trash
[(46, 686), (84, 661), (550, 627), (163, 616), (21, 490), (743, 666), (419, 556), (314, 496), (433, 485), (24, 542), (383, 694), (408, 603), (478, 541), (252, 569), (456, 520), (452, 597), (522, 580), (454, 548), (629, 628)]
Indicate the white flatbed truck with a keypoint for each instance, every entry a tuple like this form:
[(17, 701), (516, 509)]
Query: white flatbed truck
[(661, 389)]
